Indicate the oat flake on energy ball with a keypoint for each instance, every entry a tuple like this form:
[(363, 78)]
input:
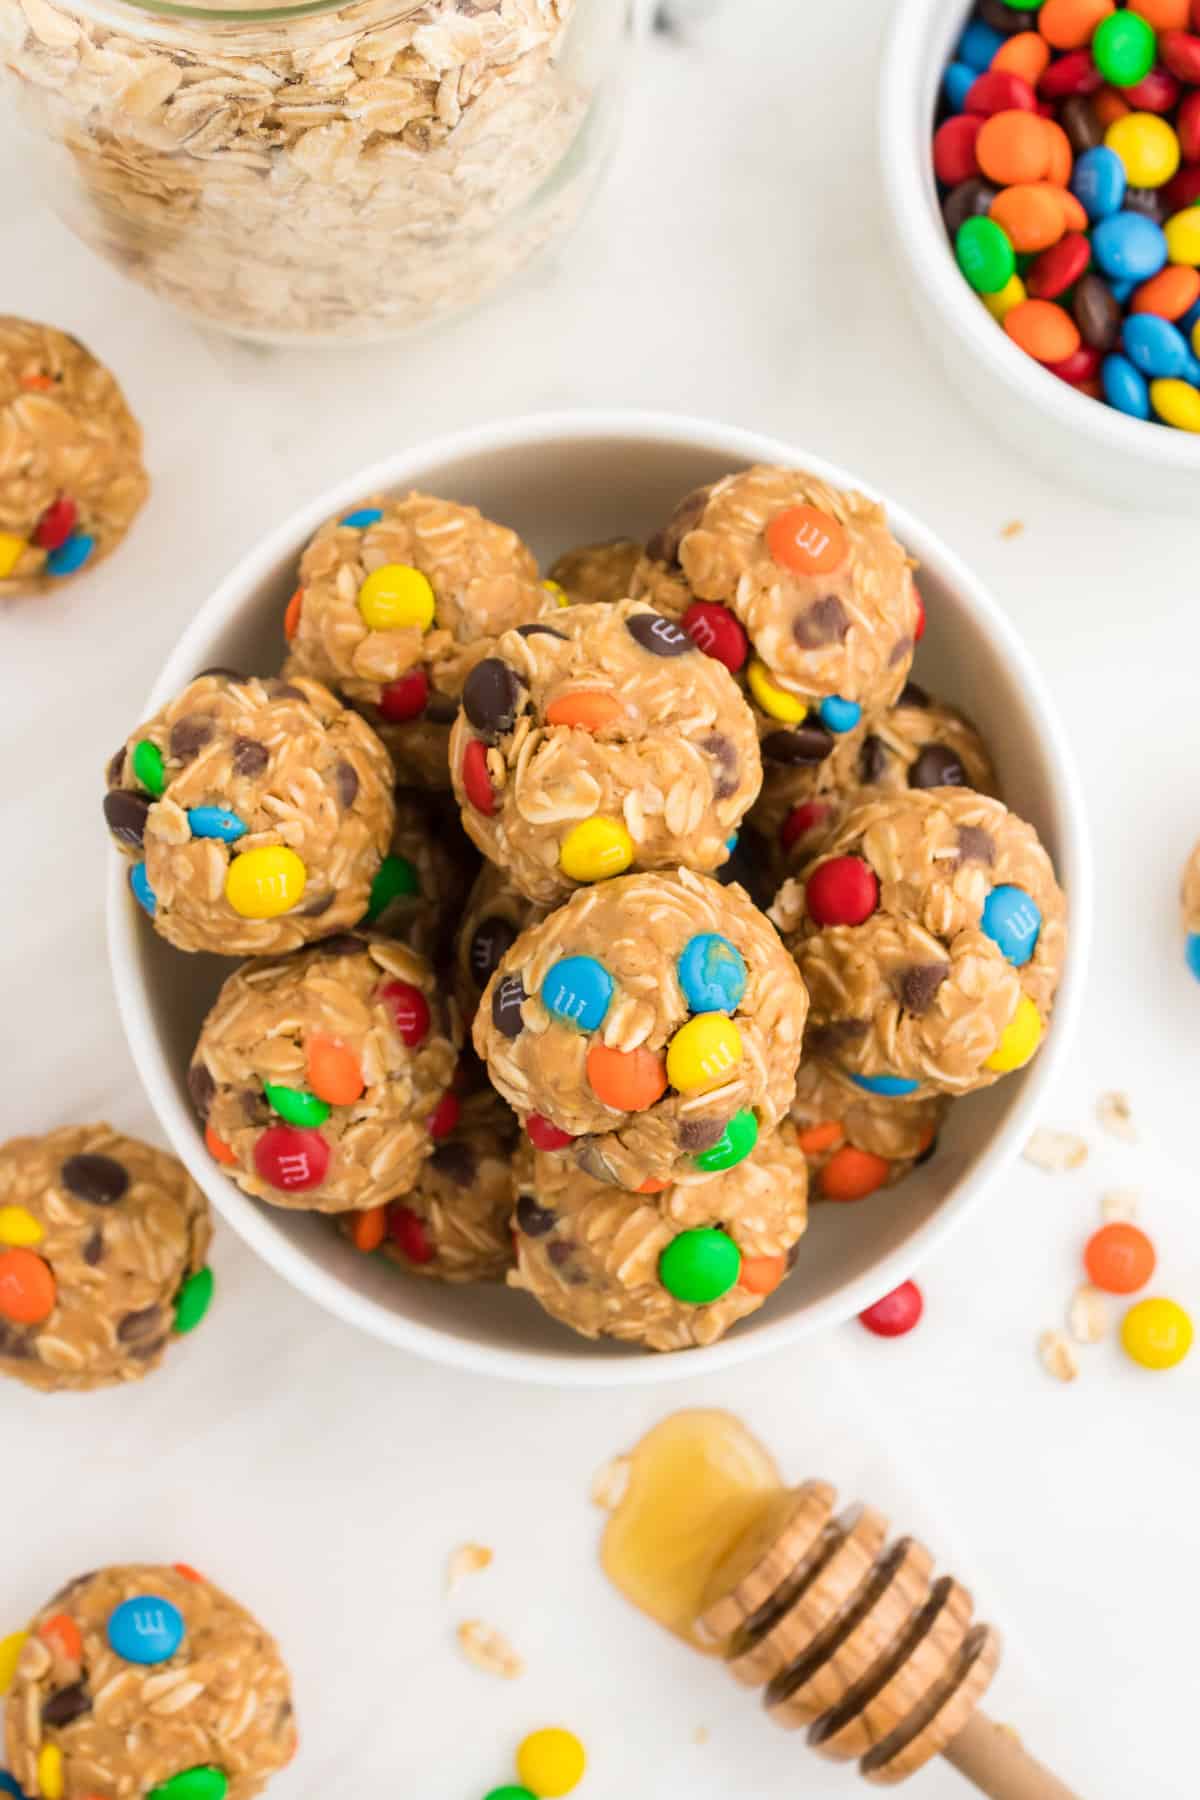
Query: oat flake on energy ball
[(352, 173)]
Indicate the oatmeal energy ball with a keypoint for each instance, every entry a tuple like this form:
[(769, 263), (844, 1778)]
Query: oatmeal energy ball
[(454, 1222), (102, 1248), (496, 915), (855, 1142), (88, 1712), (321, 1077), (71, 474), (1191, 911), (666, 1270), (397, 602), (599, 742), (597, 571), (259, 812), (799, 585), (419, 893), (931, 933), (651, 1026), (918, 743)]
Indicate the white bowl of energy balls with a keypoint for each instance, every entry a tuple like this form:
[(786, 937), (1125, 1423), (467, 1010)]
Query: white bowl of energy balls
[(597, 887)]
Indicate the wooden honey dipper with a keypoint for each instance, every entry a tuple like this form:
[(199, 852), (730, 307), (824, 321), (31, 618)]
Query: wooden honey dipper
[(853, 1638)]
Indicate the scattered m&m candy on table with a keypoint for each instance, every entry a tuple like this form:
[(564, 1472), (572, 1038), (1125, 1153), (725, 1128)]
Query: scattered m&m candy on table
[(1067, 155), (1156, 1334), (897, 1313)]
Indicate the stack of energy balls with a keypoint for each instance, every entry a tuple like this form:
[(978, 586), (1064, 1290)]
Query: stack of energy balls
[(750, 915)]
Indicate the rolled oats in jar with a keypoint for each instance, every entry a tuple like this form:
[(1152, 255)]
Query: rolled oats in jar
[(318, 171)]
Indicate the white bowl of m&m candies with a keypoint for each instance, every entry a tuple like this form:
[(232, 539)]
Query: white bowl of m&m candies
[(1042, 165), (777, 936)]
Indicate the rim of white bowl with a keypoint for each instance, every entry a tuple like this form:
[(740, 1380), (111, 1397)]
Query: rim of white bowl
[(578, 1369), (912, 197)]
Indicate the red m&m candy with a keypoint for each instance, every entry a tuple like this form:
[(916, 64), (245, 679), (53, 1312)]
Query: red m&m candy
[(292, 1159), (801, 820), (842, 891), (56, 524), (406, 698), (409, 1009), (545, 1136), (408, 1232), (896, 1313), (717, 632), (445, 1115), (476, 780)]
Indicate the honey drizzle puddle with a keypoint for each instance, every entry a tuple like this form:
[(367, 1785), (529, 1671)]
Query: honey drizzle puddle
[(698, 1482)]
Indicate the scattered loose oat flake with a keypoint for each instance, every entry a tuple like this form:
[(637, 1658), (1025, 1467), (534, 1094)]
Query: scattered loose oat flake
[(1057, 1356), (1055, 1151), (1116, 1116), (700, 1735), (610, 1482), (489, 1650), (468, 1559), (1087, 1315), (1013, 528), (1120, 1206)]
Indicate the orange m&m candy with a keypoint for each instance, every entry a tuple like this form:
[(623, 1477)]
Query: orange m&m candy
[(589, 708), (1169, 294), (626, 1080), (806, 540), (652, 1185), (852, 1174), (1119, 1259), (187, 1571), (63, 1635), (1030, 215), (1069, 24), (1027, 55), (369, 1228), (1013, 146), (1043, 330), (762, 1274), (334, 1072), (27, 1287), (816, 1138), (218, 1148), (291, 618)]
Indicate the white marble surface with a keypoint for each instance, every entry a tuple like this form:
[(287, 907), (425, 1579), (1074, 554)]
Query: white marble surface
[(734, 267)]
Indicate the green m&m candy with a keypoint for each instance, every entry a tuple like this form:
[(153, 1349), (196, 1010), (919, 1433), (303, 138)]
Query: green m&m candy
[(193, 1300), (985, 255), (732, 1147), (396, 879), (296, 1105), (148, 767), (1124, 48), (698, 1267), (201, 1783)]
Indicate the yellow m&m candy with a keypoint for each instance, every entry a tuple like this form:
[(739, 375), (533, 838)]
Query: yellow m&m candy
[(775, 701), (559, 593), (395, 597), (11, 551), (1147, 146), (19, 1227), (50, 1772), (263, 883), (703, 1052), (596, 849), (1176, 402), (551, 1762), (1183, 237), (10, 1650), (1156, 1333), (1010, 295), (1019, 1039)]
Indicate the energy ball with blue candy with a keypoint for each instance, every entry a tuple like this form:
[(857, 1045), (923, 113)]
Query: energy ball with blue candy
[(930, 930), (257, 816), (103, 1248), (1191, 912), (73, 479), (396, 600), (85, 1713)]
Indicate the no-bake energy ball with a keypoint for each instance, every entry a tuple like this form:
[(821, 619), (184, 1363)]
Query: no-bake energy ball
[(422, 885), (147, 1680), (454, 1223), (398, 600), (259, 813), (797, 585), (321, 1077), (603, 741), (918, 743), (651, 1026), (855, 1142), (597, 571), (496, 915), (666, 1270), (102, 1257), (71, 474), (930, 932)]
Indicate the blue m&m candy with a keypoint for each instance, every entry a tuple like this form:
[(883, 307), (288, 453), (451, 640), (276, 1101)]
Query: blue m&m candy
[(890, 1087), (1157, 347), (216, 822), (9, 1786), (366, 515), (1098, 182), (1013, 921), (839, 714), (711, 974), (578, 990), (977, 46), (1124, 388), (957, 83), (143, 893), (146, 1629), (1192, 953), (70, 555), (1129, 247)]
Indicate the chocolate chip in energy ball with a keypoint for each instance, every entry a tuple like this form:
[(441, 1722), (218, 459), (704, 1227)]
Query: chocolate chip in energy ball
[(725, 777), (507, 1001), (125, 815), (201, 1087), (918, 985), (250, 757), (346, 781), (69, 1704), (700, 1134), (188, 737), (872, 760), (663, 547), (491, 697), (455, 1162), (658, 634), (494, 937), (976, 845), (534, 1220), (824, 622), (937, 766), (809, 744), (137, 1327), (93, 1250), (100, 1180)]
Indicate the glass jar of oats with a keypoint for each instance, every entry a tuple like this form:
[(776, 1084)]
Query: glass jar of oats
[(318, 171)]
